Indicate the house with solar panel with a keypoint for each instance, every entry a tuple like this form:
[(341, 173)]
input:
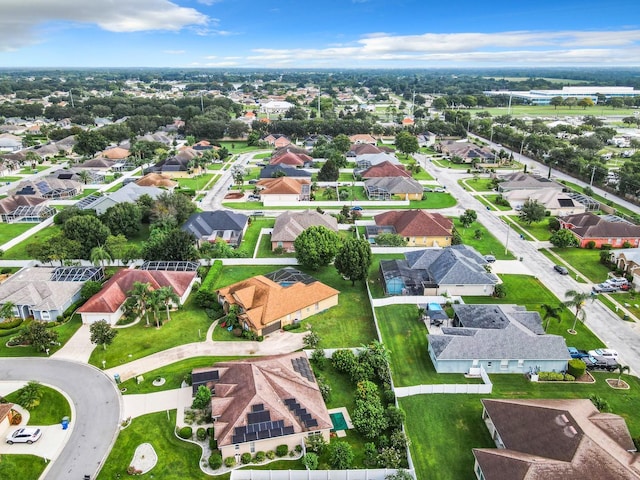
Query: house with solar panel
[(260, 403), (44, 293), (49, 187), (25, 209)]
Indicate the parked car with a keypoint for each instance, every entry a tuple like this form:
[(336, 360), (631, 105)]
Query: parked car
[(600, 363), (24, 435), (604, 352), (357, 208), (253, 198), (561, 270), (618, 281), (439, 190), (261, 164), (575, 353), (253, 182), (490, 258), (605, 288), (424, 189)]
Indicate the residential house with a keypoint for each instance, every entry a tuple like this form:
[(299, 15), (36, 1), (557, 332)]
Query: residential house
[(383, 169), (366, 160), (587, 227), (179, 165), (157, 180), (10, 143), (627, 260), (275, 107), (545, 439), (426, 139), (49, 187), (93, 175), (44, 293), (498, 338), (129, 193), (383, 188), (419, 228), (524, 181), (260, 403), (277, 140), (269, 302), (454, 270), (211, 225), (115, 153), (557, 202), (363, 138), (274, 171), (467, 151), (283, 189), (99, 163), (159, 136), (291, 159), (107, 303), (310, 141), (25, 209), (291, 224)]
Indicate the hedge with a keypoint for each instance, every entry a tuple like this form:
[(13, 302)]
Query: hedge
[(555, 377), (282, 450), (245, 458), (201, 434), (576, 367), (13, 331), (11, 324), (229, 462), (185, 432), (215, 461)]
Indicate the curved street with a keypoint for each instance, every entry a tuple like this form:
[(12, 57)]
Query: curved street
[(97, 405)]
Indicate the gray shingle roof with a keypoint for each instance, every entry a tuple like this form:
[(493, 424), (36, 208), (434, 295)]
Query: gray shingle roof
[(395, 185), (455, 265), (203, 224), (291, 224)]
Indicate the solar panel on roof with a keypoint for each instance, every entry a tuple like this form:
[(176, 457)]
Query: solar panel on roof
[(275, 432), (257, 407), (287, 430), (263, 434), (311, 423), (251, 436)]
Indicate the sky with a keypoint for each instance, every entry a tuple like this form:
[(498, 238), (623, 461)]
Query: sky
[(319, 33)]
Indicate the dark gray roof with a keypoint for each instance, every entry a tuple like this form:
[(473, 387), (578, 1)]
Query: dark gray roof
[(455, 265), (395, 185), (480, 316), (270, 171), (290, 274), (203, 224)]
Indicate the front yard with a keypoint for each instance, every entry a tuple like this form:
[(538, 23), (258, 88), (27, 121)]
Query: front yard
[(487, 244), (9, 231), (53, 406), (585, 261), (65, 332)]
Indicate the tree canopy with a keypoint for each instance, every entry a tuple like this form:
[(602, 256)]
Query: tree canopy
[(354, 259), (316, 247)]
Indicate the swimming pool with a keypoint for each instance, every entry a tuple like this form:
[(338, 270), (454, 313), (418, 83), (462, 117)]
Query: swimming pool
[(434, 307), (339, 423)]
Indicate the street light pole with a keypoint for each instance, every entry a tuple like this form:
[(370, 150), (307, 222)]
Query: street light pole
[(506, 245), (593, 172)]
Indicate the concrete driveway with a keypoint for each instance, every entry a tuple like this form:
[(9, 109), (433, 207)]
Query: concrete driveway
[(95, 425), (48, 446)]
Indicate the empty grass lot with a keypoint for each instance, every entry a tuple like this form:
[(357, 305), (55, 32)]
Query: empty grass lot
[(477, 184), (24, 467), (9, 231), (585, 261), (486, 245), (539, 230), (187, 325), (53, 406), (405, 336), (195, 183)]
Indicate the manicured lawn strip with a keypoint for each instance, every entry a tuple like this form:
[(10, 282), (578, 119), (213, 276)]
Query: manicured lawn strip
[(116, 187), (197, 182), (345, 177), (375, 284), (405, 336), (484, 201), (24, 467), (85, 193), (11, 179), (264, 250), (177, 459), (477, 184), (235, 273), (444, 163), (250, 238), (422, 175), (174, 374), (486, 245), (492, 199), (65, 332), (549, 255), (239, 146), (432, 200), (9, 231), (28, 170), (540, 230), (260, 156), (53, 406), (443, 429), (551, 111), (187, 325), (529, 292), (585, 261), (612, 306)]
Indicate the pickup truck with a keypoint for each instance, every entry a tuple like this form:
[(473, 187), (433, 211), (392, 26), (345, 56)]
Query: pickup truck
[(600, 363)]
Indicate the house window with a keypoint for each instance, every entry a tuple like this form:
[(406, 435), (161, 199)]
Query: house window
[(489, 364), (252, 447), (520, 363), (280, 244), (45, 315), (237, 447), (504, 364)]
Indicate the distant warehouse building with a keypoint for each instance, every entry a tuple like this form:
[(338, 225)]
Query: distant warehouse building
[(543, 97)]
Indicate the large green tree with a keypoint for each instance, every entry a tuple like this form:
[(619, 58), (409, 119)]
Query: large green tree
[(329, 172), (576, 300), (89, 143), (123, 218), (532, 211), (102, 333), (406, 142), (88, 231), (39, 336), (171, 245), (563, 238), (340, 455), (354, 259), (316, 247)]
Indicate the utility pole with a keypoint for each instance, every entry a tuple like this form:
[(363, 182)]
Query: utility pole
[(593, 172), (506, 245), (319, 114), (71, 96)]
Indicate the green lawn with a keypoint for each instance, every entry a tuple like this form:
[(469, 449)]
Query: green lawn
[(432, 200), (28, 170), (177, 459), (547, 253), (250, 238), (540, 230), (422, 175), (606, 201), (197, 182), (551, 111), (11, 179), (260, 156), (85, 193), (585, 261), (477, 184), (174, 374), (116, 187), (9, 231), (238, 146), (264, 250), (24, 467), (486, 245), (187, 325), (375, 284), (405, 336), (620, 297), (444, 163), (492, 199), (65, 332), (53, 406)]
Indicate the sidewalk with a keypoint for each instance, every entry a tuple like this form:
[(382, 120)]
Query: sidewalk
[(137, 405), (78, 348)]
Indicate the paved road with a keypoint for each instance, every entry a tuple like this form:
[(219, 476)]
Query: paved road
[(98, 411), (613, 331)]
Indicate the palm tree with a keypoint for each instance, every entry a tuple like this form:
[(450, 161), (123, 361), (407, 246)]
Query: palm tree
[(549, 313), (154, 302), (85, 176), (141, 292), (577, 301), (330, 193), (6, 311), (168, 297), (621, 369), (100, 255)]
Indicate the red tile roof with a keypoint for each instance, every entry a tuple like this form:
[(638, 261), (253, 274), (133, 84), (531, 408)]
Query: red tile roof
[(385, 169), (114, 292), (282, 186), (416, 223)]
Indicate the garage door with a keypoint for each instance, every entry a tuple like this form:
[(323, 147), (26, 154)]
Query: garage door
[(271, 328)]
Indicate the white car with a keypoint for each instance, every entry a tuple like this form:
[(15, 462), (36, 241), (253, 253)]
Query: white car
[(617, 281), (604, 352), (24, 435)]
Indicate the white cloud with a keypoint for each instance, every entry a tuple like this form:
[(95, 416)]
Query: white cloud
[(20, 19)]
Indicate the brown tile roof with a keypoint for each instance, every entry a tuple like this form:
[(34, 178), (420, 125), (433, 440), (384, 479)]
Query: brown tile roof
[(156, 180), (385, 169), (269, 381), (588, 225), (300, 152), (115, 291), (288, 159), (291, 224), (116, 153), (416, 223), (98, 162), (365, 148), (362, 138), (9, 204), (265, 301), (548, 439), (282, 185)]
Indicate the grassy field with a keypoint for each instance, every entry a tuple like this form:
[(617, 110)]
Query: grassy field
[(547, 253), (238, 146), (552, 112), (250, 238), (585, 261), (53, 406), (65, 332), (539, 230), (187, 325), (477, 184), (197, 182), (9, 231), (24, 467), (405, 336), (422, 175), (486, 245)]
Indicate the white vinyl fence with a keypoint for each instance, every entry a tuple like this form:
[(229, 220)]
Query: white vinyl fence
[(368, 474)]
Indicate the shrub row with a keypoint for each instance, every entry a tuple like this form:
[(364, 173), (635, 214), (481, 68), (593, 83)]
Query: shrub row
[(8, 333), (11, 324), (555, 377), (292, 326)]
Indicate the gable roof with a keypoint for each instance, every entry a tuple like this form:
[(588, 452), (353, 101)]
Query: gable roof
[(156, 180), (265, 301), (546, 439), (300, 152), (265, 389), (98, 162), (291, 224), (385, 169), (282, 186), (115, 291), (9, 204), (129, 193), (521, 180), (365, 148), (394, 185), (416, 223), (455, 265), (271, 171), (288, 158), (203, 224), (362, 138), (588, 225)]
